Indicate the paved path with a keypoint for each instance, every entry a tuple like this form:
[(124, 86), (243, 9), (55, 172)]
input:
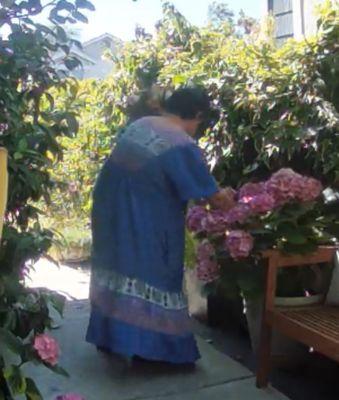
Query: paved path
[(101, 377)]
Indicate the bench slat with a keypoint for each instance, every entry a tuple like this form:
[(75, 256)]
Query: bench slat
[(316, 327)]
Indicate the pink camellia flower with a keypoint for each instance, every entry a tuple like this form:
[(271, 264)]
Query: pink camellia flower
[(47, 348), (238, 214), (284, 185), (309, 190), (214, 222), (261, 203), (207, 267), (194, 218), (249, 190), (69, 396), (239, 244)]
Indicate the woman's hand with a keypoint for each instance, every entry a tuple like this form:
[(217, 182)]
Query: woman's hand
[(224, 199)]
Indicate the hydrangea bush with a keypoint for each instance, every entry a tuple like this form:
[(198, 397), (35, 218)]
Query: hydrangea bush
[(285, 212)]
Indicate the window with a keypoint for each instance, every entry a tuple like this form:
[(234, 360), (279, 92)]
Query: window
[(282, 11)]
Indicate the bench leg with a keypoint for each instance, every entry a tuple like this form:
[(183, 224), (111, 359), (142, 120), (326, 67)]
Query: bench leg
[(264, 356)]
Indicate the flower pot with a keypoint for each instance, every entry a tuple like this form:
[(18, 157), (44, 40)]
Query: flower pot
[(282, 346), (224, 311), (215, 309)]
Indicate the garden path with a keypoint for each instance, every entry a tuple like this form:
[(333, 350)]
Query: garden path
[(100, 377)]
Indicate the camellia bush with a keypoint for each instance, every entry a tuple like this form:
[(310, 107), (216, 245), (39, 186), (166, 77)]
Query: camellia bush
[(29, 130)]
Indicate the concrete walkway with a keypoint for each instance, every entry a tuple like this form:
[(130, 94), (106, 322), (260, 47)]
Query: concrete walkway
[(101, 377)]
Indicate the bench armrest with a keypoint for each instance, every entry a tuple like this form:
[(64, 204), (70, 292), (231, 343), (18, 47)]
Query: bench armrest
[(276, 259)]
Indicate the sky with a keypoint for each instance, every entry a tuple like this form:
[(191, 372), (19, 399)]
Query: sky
[(119, 17)]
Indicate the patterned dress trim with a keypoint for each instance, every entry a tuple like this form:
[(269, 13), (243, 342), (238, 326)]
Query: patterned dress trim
[(124, 285)]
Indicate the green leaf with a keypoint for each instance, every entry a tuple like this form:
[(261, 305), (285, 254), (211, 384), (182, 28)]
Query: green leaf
[(294, 236), (178, 80), (55, 17), (251, 168), (50, 99), (32, 391), (58, 370), (64, 5), (13, 343), (58, 302), (72, 123), (15, 380), (18, 156), (62, 35), (22, 146), (85, 4), (80, 17)]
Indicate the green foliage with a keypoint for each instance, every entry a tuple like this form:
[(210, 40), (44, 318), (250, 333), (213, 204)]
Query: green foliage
[(29, 131), (100, 116), (277, 104), (190, 250)]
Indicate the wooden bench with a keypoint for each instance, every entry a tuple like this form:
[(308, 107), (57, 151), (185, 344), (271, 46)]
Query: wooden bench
[(315, 326)]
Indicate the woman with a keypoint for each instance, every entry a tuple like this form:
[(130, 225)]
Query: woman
[(138, 222)]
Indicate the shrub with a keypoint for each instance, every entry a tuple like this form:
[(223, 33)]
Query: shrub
[(29, 133)]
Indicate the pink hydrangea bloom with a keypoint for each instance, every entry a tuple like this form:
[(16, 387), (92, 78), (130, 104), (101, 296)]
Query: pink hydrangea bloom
[(249, 190), (194, 219), (261, 203), (309, 190), (238, 214), (284, 185), (207, 267), (69, 396), (287, 185), (214, 222), (47, 348), (239, 244)]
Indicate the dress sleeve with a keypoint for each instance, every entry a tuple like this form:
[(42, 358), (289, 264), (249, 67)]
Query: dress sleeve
[(187, 170)]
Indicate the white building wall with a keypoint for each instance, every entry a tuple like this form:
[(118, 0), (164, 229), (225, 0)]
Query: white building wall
[(310, 17), (304, 16)]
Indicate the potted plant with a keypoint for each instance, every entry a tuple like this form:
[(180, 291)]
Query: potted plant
[(286, 212)]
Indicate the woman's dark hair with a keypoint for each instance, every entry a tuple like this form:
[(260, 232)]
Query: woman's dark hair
[(187, 103)]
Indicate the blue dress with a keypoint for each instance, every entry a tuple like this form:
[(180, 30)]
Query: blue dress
[(138, 224)]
